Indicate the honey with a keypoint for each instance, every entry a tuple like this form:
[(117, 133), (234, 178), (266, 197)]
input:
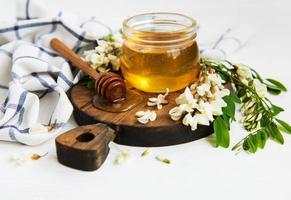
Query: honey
[(160, 51)]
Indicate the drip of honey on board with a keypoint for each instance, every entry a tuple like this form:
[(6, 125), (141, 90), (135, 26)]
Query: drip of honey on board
[(151, 63)]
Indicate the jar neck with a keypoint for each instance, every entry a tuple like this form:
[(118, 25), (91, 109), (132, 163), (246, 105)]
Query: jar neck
[(159, 29), (166, 39)]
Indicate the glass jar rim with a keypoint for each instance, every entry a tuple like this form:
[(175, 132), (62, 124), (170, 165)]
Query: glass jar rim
[(192, 27), (159, 29)]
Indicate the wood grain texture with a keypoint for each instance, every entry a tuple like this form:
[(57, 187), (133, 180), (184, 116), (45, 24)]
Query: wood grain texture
[(85, 147), (161, 132)]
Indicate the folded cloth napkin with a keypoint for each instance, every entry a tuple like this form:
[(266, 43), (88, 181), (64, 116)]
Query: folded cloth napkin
[(35, 76), (35, 79)]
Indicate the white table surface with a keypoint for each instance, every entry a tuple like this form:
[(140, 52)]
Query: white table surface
[(198, 170)]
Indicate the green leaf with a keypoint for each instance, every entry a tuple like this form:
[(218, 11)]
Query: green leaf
[(273, 91), (88, 82), (121, 32), (272, 86), (229, 110), (265, 120), (221, 132), (223, 76), (254, 141), (285, 125), (251, 83), (275, 133), (278, 84), (234, 97), (246, 145), (241, 92), (259, 140), (226, 119), (91, 85), (256, 75), (264, 137), (109, 38), (250, 144), (276, 109)]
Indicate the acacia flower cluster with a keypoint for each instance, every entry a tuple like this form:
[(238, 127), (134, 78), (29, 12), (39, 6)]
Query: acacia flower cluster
[(250, 109), (202, 101), (105, 56)]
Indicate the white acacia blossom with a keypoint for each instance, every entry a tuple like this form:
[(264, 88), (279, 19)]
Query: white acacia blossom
[(187, 98), (194, 120), (146, 116), (202, 89), (159, 100), (244, 73), (105, 56), (260, 88), (186, 103), (177, 112), (202, 102)]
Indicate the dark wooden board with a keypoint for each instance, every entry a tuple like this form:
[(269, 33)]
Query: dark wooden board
[(161, 132)]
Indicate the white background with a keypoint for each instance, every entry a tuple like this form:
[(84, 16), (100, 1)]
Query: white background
[(198, 170)]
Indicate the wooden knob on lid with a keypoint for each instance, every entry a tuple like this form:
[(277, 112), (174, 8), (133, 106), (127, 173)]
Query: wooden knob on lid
[(108, 85)]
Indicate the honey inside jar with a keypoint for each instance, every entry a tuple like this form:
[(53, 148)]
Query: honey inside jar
[(159, 52)]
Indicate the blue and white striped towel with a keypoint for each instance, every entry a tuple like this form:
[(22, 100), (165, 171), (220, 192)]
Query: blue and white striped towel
[(32, 76)]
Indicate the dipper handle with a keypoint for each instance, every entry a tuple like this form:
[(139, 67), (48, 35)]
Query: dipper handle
[(70, 55)]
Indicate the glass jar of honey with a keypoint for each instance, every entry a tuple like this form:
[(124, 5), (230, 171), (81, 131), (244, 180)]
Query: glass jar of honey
[(160, 51)]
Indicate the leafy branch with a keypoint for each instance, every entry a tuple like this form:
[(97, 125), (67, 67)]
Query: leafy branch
[(259, 114)]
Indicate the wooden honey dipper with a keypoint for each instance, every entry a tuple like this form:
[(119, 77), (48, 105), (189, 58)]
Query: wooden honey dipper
[(108, 85)]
